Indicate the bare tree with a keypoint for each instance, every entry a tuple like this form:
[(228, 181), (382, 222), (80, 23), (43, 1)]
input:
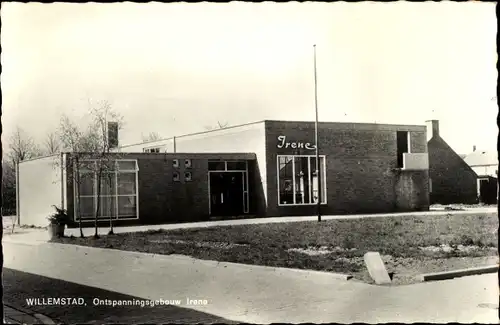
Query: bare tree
[(91, 144), (9, 191), (105, 164), (22, 146), (52, 144), (219, 126), (152, 136), (73, 140)]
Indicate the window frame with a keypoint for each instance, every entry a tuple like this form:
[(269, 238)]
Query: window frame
[(116, 171), (244, 172), (322, 169)]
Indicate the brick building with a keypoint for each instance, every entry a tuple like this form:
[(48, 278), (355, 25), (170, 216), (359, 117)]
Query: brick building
[(264, 168), (485, 164), (451, 179)]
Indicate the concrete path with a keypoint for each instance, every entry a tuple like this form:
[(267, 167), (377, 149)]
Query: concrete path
[(245, 294)]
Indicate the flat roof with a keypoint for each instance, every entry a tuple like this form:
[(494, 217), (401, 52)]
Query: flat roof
[(342, 124)]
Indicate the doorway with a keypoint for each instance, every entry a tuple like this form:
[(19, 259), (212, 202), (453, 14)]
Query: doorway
[(487, 188), (226, 190)]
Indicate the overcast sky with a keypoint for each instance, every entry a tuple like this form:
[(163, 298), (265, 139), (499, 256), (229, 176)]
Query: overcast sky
[(176, 68)]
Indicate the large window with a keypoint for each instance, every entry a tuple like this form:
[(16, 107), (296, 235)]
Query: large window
[(298, 180), (118, 195)]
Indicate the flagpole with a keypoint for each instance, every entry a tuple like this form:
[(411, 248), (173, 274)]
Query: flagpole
[(318, 169)]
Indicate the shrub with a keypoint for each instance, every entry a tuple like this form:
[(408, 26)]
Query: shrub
[(60, 217)]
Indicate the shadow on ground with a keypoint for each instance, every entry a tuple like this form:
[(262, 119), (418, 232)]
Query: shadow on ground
[(19, 286)]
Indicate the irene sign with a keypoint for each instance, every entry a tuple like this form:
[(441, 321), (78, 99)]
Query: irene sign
[(282, 143)]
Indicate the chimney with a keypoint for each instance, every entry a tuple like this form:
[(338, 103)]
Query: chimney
[(474, 148), (112, 135), (432, 129)]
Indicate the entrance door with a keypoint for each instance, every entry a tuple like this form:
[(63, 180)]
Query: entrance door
[(488, 191), (226, 193)]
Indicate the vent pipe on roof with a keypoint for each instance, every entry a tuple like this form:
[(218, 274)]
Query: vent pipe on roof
[(474, 148)]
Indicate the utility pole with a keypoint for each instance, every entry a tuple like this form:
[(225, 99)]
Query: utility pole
[(316, 131)]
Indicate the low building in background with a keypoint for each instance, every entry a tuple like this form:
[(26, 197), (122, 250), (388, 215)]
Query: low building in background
[(266, 168), (485, 164), (451, 180)]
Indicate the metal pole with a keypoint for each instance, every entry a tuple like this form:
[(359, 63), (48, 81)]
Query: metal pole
[(318, 166)]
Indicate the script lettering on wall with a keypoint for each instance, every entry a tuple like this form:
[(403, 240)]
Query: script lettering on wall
[(283, 144)]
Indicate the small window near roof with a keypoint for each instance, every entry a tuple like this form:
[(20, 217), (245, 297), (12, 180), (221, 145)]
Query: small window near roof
[(188, 177), (176, 177), (187, 163), (216, 165), (236, 165), (126, 165), (175, 163)]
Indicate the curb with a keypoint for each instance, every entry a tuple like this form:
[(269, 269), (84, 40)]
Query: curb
[(458, 273), (250, 267), (213, 263), (43, 319)]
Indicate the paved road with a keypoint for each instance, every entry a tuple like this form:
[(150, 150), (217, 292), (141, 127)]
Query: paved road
[(246, 294), (19, 286)]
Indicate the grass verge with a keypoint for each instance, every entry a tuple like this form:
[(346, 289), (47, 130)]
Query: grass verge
[(408, 244)]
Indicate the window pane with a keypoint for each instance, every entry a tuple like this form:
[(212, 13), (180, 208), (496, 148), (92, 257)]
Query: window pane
[(86, 184), (107, 207), (285, 180), (216, 165), (315, 189), (86, 165), (245, 203), (126, 165), (86, 207), (105, 165), (245, 185), (108, 185), (323, 178), (314, 178), (127, 206), (300, 163), (306, 177), (236, 165), (126, 183)]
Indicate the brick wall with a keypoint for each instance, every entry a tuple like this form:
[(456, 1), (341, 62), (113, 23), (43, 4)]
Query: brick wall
[(161, 200), (361, 162), (453, 181), (242, 138)]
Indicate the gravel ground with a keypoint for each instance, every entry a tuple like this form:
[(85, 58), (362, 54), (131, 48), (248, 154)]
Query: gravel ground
[(406, 270)]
